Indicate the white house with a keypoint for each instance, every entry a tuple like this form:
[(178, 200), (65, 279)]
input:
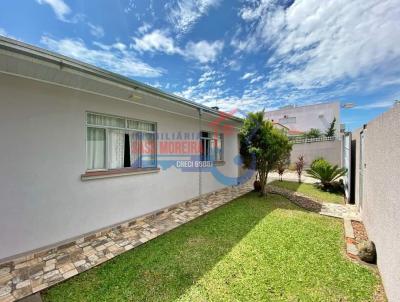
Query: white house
[(83, 149), (303, 118)]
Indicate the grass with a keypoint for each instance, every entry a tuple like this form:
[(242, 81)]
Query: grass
[(252, 249), (309, 190)]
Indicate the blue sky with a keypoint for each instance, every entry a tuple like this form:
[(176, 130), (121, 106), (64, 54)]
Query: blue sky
[(233, 54)]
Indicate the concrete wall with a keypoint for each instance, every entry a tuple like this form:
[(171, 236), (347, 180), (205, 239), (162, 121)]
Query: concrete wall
[(330, 150), (43, 137), (380, 206), (313, 116)]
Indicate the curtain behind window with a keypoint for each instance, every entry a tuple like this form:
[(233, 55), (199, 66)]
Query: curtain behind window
[(136, 148), (116, 146), (96, 146)]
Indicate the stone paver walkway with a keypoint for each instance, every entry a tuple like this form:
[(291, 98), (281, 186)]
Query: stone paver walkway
[(35, 272), (340, 211)]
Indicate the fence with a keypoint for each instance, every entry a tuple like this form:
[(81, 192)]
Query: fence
[(303, 140)]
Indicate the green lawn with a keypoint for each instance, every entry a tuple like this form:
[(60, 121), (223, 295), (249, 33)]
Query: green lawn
[(309, 190), (252, 249)]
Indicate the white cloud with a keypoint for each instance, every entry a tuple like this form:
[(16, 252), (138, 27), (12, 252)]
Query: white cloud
[(60, 8), (204, 51), (316, 44), (376, 105), (247, 75), (160, 41), (183, 14), (113, 57), (155, 41), (144, 28), (96, 30)]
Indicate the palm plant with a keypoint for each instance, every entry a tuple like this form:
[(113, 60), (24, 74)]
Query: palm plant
[(326, 173)]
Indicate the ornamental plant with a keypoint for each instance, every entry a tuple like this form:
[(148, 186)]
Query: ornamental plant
[(262, 146)]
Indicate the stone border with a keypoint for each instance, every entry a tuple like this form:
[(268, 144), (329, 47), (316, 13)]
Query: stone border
[(300, 200), (34, 272)]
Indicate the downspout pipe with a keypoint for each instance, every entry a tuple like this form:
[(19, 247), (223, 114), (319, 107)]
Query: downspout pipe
[(200, 111)]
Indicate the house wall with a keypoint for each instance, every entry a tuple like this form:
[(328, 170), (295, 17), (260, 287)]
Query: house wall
[(43, 137), (380, 207), (330, 150), (313, 116)]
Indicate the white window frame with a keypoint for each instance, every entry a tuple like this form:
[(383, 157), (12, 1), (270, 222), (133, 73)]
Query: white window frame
[(211, 136), (107, 139)]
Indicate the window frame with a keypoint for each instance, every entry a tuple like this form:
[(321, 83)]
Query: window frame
[(211, 137), (125, 130)]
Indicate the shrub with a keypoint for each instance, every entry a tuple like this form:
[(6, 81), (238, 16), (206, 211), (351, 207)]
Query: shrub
[(331, 130), (326, 173), (319, 161), (313, 133)]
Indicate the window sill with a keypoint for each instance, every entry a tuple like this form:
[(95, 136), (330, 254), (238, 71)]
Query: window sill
[(219, 163), (117, 173)]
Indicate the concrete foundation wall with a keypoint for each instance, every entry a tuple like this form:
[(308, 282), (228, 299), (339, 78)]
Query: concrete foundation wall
[(380, 205), (330, 150), (42, 198)]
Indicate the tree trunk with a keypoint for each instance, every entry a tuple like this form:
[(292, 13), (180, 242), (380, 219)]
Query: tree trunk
[(263, 182)]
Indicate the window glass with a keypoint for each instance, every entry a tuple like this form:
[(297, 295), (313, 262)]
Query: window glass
[(148, 150), (96, 148), (103, 120), (138, 125), (111, 148)]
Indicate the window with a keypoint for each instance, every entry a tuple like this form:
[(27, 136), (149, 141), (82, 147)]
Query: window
[(116, 142), (287, 120), (212, 146)]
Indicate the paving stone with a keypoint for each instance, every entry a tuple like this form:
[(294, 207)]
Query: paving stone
[(23, 284), (49, 267), (348, 228), (70, 273), (5, 290), (51, 274), (79, 263), (4, 271), (7, 298), (351, 249), (66, 267)]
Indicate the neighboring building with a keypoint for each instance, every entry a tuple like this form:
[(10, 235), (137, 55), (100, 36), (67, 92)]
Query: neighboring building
[(83, 149), (375, 174), (298, 120), (303, 118), (285, 130)]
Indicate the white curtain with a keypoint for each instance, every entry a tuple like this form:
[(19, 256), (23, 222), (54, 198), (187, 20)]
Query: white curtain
[(132, 124), (102, 120), (116, 152), (136, 149), (96, 146)]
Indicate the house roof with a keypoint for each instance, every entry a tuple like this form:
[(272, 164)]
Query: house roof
[(18, 47), (295, 132), (283, 126)]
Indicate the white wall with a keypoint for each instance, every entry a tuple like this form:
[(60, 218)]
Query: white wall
[(313, 116), (330, 150), (380, 206), (42, 148)]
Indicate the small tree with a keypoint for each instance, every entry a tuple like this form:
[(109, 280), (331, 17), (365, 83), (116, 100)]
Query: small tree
[(300, 166), (262, 146), (331, 130), (313, 133)]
